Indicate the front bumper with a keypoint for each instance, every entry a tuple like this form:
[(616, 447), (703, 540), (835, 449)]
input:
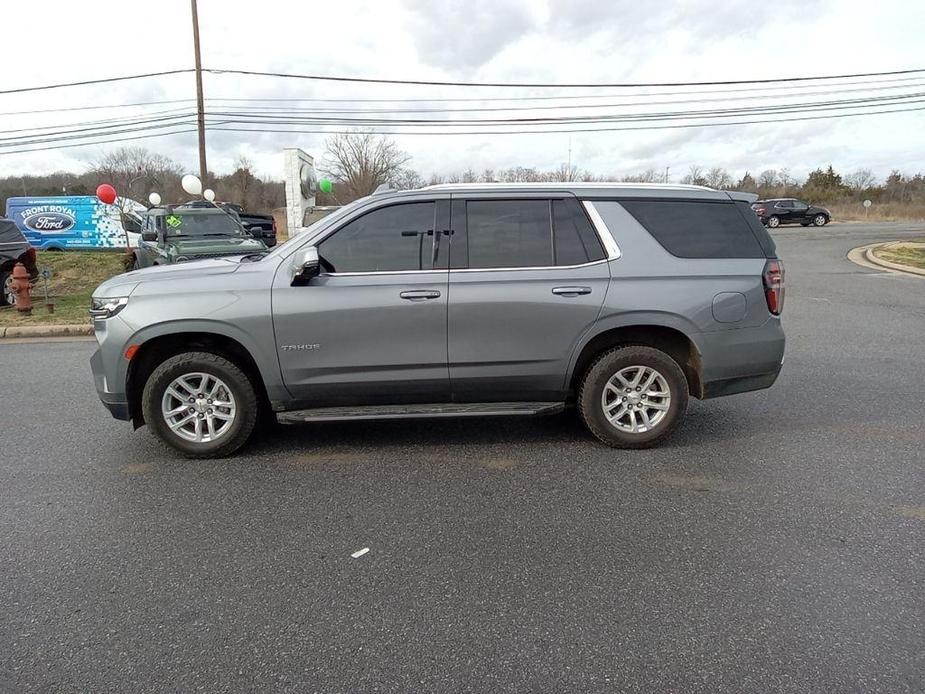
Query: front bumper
[(109, 368)]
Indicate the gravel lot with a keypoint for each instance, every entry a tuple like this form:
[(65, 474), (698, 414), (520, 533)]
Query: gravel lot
[(777, 543)]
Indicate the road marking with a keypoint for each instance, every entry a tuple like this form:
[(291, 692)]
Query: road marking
[(360, 553)]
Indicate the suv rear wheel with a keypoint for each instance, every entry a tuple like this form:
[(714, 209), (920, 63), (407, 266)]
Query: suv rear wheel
[(774, 221), (201, 404), (633, 397)]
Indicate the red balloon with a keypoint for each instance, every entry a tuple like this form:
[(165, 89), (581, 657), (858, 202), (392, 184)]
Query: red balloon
[(106, 193)]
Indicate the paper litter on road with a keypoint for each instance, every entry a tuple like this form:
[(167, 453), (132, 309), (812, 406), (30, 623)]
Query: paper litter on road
[(360, 553)]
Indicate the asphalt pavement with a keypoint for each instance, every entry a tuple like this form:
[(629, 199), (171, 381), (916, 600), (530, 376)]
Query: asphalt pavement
[(776, 544)]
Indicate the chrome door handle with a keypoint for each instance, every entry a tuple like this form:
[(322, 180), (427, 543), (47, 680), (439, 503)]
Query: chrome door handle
[(571, 291), (420, 294)]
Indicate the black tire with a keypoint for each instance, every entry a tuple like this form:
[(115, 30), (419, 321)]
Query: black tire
[(596, 378), (4, 290), (773, 221), (247, 404)]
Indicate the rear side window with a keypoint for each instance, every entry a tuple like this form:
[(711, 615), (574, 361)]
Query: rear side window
[(761, 234), (525, 233), (508, 233), (399, 237), (695, 229), (576, 242)]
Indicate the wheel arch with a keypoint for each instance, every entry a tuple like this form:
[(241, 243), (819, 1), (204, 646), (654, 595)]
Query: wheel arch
[(157, 348), (671, 339)]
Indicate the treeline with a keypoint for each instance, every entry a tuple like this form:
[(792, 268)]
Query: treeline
[(821, 185), (358, 163)]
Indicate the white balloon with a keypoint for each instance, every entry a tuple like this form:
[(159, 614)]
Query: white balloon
[(154, 199), (208, 194), (191, 184)]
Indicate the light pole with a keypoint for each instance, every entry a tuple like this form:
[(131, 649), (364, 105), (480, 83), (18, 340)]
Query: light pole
[(200, 110)]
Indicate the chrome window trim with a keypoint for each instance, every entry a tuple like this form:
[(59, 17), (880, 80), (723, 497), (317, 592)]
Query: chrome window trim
[(603, 233), (528, 267), (383, 272)]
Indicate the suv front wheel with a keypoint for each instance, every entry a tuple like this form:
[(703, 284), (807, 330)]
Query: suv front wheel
[(633, 397), (200, 404)]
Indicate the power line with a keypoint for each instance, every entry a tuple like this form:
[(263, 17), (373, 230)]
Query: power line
[(475, 132), (553, 85), (579, 130), (561, 106), (98, 81)]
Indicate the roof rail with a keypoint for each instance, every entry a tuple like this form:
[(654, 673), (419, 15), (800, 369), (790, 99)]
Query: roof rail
[(383, 188)]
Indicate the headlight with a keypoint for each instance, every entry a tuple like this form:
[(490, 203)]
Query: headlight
[(106, 307)]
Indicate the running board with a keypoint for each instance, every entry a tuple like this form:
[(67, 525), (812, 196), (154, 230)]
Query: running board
[(482, 409)]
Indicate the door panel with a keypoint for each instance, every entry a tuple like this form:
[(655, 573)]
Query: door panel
[(512, 332), (371, 329), (357, 340)]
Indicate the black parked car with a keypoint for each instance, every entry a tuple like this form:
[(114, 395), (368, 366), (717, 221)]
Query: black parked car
[(773, 213), (13, 249), (260, 226)]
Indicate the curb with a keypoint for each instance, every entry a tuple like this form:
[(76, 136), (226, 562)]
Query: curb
[(871, 257), (45, 331)]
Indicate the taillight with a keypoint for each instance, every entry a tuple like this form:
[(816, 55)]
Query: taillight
[(774, 285), (274, 225), (760, 210)]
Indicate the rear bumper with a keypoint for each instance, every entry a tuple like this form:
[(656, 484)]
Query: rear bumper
[(741, 384), (742, 360)]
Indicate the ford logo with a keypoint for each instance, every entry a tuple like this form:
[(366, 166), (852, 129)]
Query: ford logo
[(49, 221)]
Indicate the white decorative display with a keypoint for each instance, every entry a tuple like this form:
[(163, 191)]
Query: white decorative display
[(301, 185)]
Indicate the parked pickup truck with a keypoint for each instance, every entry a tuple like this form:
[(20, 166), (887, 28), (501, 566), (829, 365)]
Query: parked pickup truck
[(622, 300), (261, 226)]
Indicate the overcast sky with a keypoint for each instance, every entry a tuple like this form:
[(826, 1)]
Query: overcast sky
[(476, 40)]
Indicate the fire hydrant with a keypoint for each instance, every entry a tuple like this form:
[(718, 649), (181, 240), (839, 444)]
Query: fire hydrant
[(21, 286)]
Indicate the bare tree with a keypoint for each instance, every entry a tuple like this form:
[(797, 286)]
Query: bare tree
[(407, 179), (718, 178), (361, 162), (695, 176), (862, 179), (134, 171)]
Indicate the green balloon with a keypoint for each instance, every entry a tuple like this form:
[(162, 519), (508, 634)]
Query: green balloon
[(325, 185)]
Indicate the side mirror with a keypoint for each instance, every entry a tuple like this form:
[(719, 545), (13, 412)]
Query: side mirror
[(149, 236), (304, 266)]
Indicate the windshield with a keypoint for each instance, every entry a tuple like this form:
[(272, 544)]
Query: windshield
[(284, 249), (201, 223)]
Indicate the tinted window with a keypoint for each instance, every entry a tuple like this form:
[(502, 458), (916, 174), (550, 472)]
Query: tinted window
[(797, 205), (508, 233), (758, 230), (575, 238), (690, 229), (785, 204), (393, 238)]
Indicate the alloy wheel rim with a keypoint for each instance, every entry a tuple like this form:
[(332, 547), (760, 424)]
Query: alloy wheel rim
[(820, 220), (636, 399), (198, 407), (773, 222)]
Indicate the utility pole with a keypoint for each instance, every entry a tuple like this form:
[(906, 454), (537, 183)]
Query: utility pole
[(200, 109), (667, 169)]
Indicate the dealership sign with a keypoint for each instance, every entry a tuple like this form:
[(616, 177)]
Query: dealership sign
[(49, 218)]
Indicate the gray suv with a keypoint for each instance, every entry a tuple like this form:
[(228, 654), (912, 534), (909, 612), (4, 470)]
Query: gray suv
[(457, 300)]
